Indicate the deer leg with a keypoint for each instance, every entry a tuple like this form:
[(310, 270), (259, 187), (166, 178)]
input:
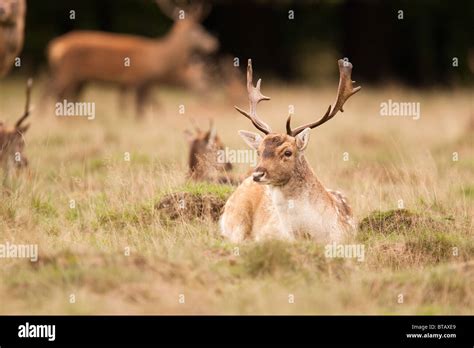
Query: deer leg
[(154, 102), (62, 92), (72, 91), (66, 89), (76, 90), (143, 97), (48, 95), (123, 91), (58, 87), (140, 96)]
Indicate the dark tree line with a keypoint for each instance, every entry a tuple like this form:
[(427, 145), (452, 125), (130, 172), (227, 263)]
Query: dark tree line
[(417, 50)]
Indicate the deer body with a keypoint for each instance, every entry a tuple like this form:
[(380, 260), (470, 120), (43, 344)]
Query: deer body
[(283, 198), (83, 56), (12, 26), (302, 207), (131, 62)]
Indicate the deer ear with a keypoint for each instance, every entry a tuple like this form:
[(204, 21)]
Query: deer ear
[(302, 139), (212, 136), (252, 139)]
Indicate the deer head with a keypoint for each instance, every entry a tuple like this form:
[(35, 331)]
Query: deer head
[(188, 16), (203, 158), (12, 141), (9, 10), (280, 155)]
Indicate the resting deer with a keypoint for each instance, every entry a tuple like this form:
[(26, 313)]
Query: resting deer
[(131, 62), (283, 198), (12, 26), (204, 162), (12, 140)]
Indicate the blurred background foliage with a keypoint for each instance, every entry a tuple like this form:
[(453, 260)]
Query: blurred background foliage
[(417, 50)]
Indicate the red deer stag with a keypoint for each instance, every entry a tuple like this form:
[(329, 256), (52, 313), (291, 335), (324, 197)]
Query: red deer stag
[(12, 140), (283, 198), (132, 62), (12, 27)]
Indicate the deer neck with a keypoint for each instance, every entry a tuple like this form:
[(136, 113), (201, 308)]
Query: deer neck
[(178, 45), (303, 183)]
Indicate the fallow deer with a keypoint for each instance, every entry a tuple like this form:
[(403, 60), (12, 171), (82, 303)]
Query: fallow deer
[(131, 62), (12, 142), (12, 27), (283, 198), (204, 164)]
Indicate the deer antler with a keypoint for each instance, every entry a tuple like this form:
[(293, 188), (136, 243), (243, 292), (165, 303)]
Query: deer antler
[(197, 10), (27, 104), (167, 8), (344, 91), (204, 11), (255, 96)]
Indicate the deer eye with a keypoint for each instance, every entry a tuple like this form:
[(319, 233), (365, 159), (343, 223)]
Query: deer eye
[(288, 153)]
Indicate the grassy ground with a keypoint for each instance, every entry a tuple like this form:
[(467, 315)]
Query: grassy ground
[(115, 253)]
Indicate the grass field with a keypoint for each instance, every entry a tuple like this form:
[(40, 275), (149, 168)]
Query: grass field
[(115, 253)]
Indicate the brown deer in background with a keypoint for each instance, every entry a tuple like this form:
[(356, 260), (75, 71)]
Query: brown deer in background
[(283, 198), (12, 27), (204, 164), (132, 62), (232, 79), (12, 141)]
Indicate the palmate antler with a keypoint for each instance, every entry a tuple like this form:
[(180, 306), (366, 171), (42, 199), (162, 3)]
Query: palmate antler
[(344, 91), (255, 96)]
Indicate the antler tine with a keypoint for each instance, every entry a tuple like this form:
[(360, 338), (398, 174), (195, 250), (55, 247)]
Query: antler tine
[(201, 10), (27, 104), (344, 91), (255, 96), (198, 10), (167, 8)]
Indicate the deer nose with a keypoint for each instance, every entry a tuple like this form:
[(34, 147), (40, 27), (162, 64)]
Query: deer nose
[(257, 176)]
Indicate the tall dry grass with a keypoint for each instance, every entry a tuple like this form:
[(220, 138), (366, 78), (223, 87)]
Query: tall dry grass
[(82, 250)]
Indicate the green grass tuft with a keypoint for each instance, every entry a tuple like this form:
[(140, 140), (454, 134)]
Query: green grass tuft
[(203, 188), (268, 258), (43, 207)]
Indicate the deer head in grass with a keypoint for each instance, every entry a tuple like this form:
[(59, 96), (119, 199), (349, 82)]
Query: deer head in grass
[(203, 161)]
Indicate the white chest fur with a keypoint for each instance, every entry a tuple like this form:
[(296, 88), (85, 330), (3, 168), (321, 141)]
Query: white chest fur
[(302, 216)]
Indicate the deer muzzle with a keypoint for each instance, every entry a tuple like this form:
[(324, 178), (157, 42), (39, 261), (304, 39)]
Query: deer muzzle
[(259, 174)]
